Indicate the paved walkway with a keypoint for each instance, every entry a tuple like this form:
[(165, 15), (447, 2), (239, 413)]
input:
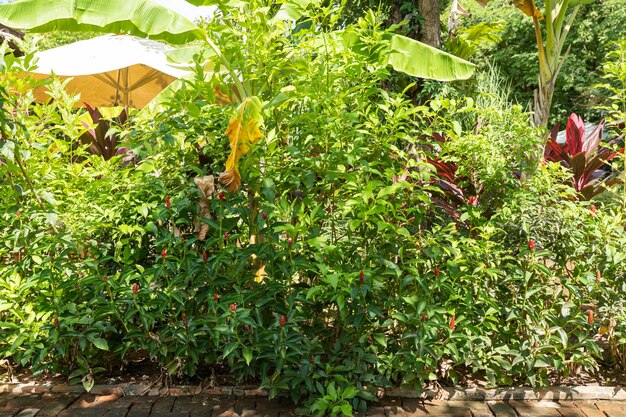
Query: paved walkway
[(204, 405)]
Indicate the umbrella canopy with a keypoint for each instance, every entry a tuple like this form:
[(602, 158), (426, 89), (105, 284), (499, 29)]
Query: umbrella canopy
[(110, 70)]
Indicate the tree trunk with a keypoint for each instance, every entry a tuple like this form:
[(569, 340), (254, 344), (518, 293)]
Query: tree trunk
[(430, 32), (541, 104)]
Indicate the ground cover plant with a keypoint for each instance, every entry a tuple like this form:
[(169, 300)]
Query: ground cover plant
[(370, 242)]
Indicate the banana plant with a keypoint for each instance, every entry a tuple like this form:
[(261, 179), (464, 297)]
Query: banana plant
[(559, 17)]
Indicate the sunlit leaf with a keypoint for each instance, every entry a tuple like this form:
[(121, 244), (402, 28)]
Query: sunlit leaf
[(243, 131), (139, 17)]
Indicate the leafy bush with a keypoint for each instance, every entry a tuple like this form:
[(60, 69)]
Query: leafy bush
[(331, 271)]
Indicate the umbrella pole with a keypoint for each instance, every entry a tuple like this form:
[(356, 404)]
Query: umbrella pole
[(117, 88), (126, 87)]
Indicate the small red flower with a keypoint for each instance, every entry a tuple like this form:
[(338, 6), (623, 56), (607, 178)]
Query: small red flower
[(436, 272), (168, 203), (472, 200), (164, 254), (216, 297), (226, 235), (484, 266), (593, 209), (56, 322), (590, 317), (105, 278), (452, 322), (135, 288), (531, 244), (265, 216), (361, 277), (283, 321), (233, 307), (221, 196), (18, 214)]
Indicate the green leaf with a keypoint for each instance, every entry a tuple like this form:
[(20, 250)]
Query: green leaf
[(381, 339), (88, 382), (247, 355), (100, 343), (135, 17), (424, 61)]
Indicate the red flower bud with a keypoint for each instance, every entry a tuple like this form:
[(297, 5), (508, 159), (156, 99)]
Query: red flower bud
[(283, 321), (484, 266), (233, 307), (423, 317), (264, 216), (436, 272), (105, 278), (221, 196), (18, 214), (56, 322), (593, 210), (472, 200), (168, 204), (164, 254), (204, 256), (135, 288), (531, 244), (452, 322), (226, 235), (216, 297), (361, 277), (589, 316)]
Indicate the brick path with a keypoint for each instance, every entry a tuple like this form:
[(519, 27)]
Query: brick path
[(204, 405)]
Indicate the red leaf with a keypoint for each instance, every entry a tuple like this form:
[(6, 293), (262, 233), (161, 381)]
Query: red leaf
[(574, 134)]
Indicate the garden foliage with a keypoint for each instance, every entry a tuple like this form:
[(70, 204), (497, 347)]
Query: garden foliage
[(334, 269)]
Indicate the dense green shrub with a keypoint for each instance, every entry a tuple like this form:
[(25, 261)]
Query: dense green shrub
[(368, 282)]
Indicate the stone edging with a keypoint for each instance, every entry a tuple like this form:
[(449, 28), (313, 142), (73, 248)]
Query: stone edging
[(577, 393), (581, 393)]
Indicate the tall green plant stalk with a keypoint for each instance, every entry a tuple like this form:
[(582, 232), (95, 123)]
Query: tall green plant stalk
[(551, 57)]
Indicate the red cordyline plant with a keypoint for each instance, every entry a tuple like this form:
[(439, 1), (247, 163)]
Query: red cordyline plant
[(583, 156), (457, 190), (101, 140)]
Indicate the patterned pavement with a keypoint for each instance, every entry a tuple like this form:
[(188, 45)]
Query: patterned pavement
[(205, 405)]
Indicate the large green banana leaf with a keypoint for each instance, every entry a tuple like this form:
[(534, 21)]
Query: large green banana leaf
[(403, 54), (421, 60), (143, 18)]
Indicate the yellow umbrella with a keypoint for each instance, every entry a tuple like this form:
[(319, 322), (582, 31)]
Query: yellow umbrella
[(110, 70)]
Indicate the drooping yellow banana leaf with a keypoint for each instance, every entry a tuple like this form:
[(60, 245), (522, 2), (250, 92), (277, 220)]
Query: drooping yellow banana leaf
[(243, 131)]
